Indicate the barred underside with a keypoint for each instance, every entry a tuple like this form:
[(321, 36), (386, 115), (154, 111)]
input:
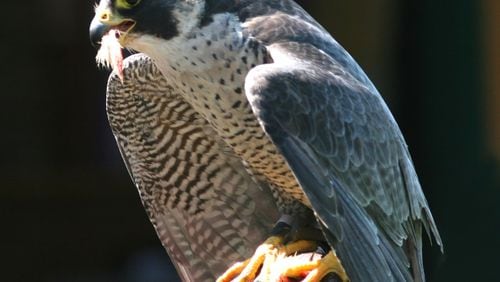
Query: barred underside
[(207, 210)]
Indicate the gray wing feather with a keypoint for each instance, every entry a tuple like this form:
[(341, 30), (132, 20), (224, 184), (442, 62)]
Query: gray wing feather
[(348, 154), (207, 210)]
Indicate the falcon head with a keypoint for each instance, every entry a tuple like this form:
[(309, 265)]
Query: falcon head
[(136, 21)]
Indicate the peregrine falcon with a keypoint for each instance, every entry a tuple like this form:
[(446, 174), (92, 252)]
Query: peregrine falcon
[(244, 114)]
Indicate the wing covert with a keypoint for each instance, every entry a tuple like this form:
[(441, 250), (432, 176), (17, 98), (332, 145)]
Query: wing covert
[(348, 155)]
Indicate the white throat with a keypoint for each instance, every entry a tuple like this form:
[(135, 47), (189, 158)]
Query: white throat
[(194, 49)]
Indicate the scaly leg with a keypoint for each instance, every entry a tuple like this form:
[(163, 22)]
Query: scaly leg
[(274, 260)]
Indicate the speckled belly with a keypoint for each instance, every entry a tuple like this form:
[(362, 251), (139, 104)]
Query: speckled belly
[(234, 120), (212, 80)]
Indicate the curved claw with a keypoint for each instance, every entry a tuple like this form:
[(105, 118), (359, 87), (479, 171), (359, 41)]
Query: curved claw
[(233, 271), (318, 269), (266, 259), (248, 269)]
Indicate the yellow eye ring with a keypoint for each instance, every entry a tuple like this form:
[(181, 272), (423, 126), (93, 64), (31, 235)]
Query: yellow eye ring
[(126, 4)]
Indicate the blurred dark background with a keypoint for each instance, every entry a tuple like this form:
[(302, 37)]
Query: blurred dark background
[(69, 212)]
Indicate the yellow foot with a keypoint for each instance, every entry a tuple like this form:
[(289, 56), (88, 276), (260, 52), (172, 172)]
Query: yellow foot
[(315, 270), (264, 259)]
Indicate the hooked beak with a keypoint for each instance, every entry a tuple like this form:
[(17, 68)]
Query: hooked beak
[(103, 22)]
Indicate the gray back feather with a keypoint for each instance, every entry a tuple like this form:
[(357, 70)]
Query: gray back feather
[(342, 143)]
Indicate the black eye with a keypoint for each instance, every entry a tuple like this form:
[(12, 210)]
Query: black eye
[(126, 4), (132, 2)]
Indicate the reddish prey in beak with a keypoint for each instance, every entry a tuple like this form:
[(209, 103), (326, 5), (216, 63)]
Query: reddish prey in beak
[(110, 54)]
